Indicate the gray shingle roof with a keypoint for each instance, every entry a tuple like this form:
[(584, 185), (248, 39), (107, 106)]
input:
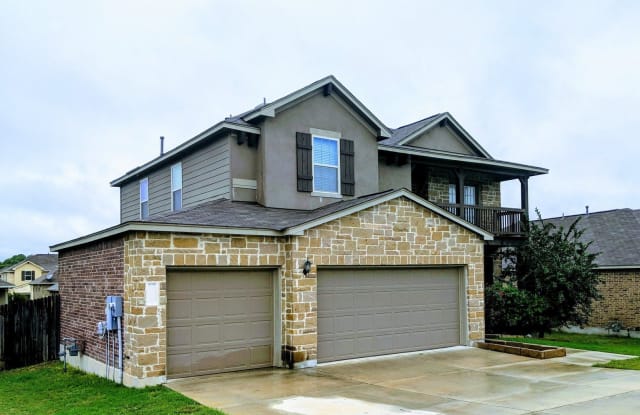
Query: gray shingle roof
[(46, 261), (615, 234), (4, 284), (229, 214), (46, 279), (400, 133)]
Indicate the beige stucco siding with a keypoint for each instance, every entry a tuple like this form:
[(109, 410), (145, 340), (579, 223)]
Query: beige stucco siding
[(441, 138), (277, 151)]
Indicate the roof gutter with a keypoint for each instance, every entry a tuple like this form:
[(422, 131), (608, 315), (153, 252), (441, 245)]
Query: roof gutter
[(464, 159), (159, 227)]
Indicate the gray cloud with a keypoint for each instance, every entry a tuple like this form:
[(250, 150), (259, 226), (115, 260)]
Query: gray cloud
[(86, 88)]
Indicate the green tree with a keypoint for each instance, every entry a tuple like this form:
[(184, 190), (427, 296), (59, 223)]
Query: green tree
[(12, 261), (551, 283)]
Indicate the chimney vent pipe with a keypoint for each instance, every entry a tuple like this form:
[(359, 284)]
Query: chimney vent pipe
[(161, 145)]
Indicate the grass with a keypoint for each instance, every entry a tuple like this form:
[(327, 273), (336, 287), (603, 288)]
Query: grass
[(46, 389), (610, 344)]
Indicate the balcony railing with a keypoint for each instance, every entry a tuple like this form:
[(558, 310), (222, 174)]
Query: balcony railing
[(499, 221)]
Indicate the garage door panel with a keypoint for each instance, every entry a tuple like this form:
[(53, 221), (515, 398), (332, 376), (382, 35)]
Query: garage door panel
[(219, 321), (368, 312)]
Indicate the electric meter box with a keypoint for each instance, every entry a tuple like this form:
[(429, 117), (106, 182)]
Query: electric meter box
[(113, 310)]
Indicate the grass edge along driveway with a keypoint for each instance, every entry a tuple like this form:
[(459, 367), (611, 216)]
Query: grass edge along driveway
[(599, 343), (46, 389)]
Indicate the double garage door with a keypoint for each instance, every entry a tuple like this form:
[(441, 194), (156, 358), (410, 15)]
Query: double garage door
[(219, 321), (369, 312)]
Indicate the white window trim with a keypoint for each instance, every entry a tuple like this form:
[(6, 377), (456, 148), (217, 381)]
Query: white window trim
[(146, 179), (313, 167), (178, 188)]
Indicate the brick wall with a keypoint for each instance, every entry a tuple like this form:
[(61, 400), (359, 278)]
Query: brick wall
[(87, 275), (621, 299)]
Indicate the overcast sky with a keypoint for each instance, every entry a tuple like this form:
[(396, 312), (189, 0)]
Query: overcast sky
[(87, 87)]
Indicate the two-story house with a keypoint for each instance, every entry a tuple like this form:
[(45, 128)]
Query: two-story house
[(31, 277), (304, 230)]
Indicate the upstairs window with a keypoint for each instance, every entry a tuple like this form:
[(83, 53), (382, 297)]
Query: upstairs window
[(176, 186), (144, 198), (326, 165), (28, 275)]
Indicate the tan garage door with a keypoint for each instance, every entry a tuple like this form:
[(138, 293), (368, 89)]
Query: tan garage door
[(218, 321), (369, 312)]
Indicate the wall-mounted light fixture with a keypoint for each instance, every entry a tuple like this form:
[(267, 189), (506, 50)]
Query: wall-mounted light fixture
[(306, 267)]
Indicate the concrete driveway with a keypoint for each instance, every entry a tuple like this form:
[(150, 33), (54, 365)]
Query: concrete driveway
[(457, 380)]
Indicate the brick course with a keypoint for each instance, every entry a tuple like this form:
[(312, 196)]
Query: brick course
[(621, 299), (86, 276)]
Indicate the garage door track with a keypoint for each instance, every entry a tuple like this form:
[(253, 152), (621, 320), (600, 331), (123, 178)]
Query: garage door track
[(457, 380)]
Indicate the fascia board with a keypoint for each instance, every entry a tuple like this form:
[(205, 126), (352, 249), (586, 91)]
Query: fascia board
[(299, 230), (464, 159), (445, 115), (184, 146), (269, 110), (160, 227), (616, 267)]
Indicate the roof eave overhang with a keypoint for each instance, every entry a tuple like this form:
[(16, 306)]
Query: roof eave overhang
[(220, 127), (272, 108), (524, 169), (617, 267), (294, 230), (160, 227)]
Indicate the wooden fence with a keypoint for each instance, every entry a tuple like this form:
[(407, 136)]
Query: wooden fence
[(29, 332)]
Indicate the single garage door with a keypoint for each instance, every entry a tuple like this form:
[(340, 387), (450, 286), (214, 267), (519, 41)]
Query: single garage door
[(218, 321), (369, 312)]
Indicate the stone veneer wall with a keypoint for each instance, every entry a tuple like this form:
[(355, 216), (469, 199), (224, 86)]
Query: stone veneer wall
[(620, 292), (488, 189), (398, 232), (86, 276)]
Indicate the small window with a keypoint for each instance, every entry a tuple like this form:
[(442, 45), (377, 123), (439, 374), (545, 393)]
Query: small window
[(176, 186), (28, 275), (326, 165), (452, 193), (144, 198)]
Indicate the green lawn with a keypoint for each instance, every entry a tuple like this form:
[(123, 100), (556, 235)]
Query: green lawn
[(46, 389), (611, 344)]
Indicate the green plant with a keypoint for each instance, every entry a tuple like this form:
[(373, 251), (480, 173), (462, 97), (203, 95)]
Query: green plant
[(550, 283)]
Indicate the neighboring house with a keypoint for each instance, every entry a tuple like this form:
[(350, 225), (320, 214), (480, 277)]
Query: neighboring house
[(27, 275), (4, 291), (615, 234), (302, 231), (44, 286)]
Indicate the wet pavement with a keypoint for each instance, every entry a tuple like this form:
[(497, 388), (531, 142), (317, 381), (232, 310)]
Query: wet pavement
[(459, 380)]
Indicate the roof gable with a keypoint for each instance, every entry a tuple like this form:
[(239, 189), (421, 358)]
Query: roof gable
[(439, 132), (329, 85), (46, 262)]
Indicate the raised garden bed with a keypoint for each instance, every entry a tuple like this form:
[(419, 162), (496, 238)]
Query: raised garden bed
[(523, 349)]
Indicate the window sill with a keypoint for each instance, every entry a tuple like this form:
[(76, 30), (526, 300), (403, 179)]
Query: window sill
[(329, 195)]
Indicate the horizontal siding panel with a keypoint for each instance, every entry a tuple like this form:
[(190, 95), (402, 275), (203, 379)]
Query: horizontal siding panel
[(160, 191), (206, 174), (129, 202)]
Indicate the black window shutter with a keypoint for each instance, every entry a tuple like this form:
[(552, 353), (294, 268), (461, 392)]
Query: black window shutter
[(347, 169), (304, 162)]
